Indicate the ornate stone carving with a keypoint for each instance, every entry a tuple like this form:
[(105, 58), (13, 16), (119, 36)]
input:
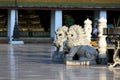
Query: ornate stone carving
[(61, 37), (84, 52), (116, 57), (102, 24), (76, 36), (102, 38), (88, 28), (78, 44)]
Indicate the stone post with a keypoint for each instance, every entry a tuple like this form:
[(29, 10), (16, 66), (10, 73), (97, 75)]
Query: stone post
[(102, 45), (11, 22), (88, 28), (56, 21)]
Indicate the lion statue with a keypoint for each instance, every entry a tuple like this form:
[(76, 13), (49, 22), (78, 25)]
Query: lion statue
[(76, 36), (61, 37), (79, 45)]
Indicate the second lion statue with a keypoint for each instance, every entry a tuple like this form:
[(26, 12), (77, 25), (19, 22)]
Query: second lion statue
[(78, 44)]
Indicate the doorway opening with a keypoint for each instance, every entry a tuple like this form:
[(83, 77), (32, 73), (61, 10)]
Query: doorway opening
[(34, 23)]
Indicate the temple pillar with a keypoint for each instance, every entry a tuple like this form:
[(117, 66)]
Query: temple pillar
[(56, 22), (103, 14), (98, 15), (11, 23), (12, 16)]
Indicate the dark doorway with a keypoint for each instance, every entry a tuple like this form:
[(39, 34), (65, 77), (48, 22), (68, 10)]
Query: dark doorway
[(113, 18), (3, 23), (78, 16), (34, 23)]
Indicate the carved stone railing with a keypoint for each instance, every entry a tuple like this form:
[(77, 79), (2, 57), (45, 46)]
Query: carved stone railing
[(114, 36)]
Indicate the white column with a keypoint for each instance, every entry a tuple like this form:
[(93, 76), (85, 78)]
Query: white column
[(102, 38), (11, 23), (56, 21), (103, 14), (98, 15)]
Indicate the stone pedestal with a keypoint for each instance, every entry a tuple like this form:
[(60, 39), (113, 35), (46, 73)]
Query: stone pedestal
[(80, 63), (58, 56), (102, 60)]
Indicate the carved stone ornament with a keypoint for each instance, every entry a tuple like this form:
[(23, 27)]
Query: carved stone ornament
[(78, 44), (88, 28), (61, 38), (76, 36)]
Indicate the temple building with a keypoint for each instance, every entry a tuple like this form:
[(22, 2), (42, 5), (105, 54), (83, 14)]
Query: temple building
[(40, 18)]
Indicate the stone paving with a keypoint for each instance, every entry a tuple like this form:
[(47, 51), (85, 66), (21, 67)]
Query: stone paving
[(33, 62)]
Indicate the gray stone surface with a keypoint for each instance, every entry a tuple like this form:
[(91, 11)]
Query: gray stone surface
[(33, 62), (58, 56)]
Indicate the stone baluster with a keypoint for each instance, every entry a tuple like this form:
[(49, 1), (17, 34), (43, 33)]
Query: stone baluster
[(102, 45), (88, 28)]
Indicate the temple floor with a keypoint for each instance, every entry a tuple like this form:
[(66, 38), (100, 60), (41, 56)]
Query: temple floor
[(33, 62)]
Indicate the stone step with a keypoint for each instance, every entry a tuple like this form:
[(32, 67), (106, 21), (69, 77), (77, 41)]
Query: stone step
[(80, 63), (4, 40), (29, 40), (37, 40)]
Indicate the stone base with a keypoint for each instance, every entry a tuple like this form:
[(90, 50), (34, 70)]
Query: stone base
[(80, 63), (58, 56), (102, 61), (17, 42)]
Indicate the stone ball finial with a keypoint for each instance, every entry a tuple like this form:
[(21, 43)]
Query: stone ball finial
[(87, 21)]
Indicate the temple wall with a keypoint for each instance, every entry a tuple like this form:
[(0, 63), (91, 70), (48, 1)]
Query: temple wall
[(83, 1)]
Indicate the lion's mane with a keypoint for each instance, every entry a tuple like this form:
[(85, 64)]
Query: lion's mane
[(76, 36)]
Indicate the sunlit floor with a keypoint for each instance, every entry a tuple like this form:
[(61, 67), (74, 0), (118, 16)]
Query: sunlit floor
[(33, 62)]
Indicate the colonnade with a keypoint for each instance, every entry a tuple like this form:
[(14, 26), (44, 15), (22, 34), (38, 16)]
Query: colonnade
[(56, 21)]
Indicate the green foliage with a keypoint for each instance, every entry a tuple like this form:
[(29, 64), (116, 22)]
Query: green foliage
[(69, 21)]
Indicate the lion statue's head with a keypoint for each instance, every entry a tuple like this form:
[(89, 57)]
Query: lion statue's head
[(61, 37), (61, 33), (76, 36)]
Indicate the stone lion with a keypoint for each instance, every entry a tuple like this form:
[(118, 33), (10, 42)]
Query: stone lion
[(78, 44), (76, 36), (61, 37)]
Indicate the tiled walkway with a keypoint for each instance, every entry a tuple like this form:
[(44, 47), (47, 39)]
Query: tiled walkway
[(33, 62)]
